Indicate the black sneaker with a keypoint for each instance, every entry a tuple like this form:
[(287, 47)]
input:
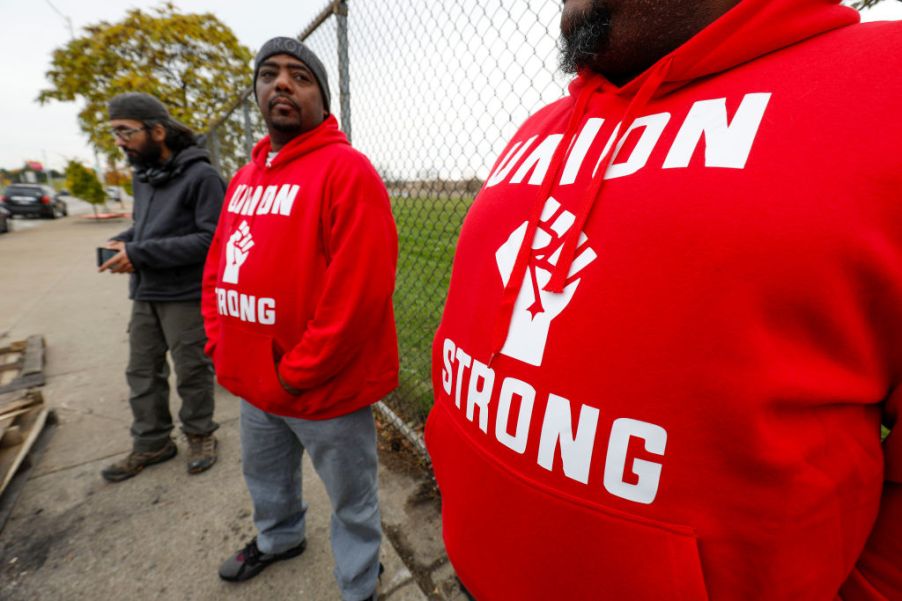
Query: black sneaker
[(250, 561), (135, 462)]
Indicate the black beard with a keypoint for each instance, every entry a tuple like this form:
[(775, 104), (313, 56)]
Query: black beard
[(148, 156), (286, 128), (290, 128), (586, 35)]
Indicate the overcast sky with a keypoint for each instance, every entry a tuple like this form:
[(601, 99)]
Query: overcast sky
[(32, 29)]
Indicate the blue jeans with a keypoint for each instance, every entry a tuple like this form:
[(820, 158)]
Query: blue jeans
[(343, 451)]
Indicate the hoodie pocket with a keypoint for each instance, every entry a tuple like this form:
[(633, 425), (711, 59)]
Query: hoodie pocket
[(245, 366), (510, 537)]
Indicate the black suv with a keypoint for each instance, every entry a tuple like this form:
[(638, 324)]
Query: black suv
[(33, 199)]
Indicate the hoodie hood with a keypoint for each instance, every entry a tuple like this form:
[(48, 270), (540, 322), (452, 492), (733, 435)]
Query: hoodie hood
[(190, 155), (157, 176), (324, 134), (749, 30)]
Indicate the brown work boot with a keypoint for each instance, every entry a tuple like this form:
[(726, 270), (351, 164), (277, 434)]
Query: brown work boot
[(201, 452), (137, 461)]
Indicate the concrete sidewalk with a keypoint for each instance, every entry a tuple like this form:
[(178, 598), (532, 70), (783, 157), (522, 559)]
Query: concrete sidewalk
[(162, 534)]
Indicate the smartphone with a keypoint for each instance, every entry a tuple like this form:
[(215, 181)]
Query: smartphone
[(105, 254)]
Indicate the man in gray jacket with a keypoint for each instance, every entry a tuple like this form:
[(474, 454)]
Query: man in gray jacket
[(178, 196)]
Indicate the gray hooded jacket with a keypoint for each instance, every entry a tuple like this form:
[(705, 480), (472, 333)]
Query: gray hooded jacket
[(175, 215)]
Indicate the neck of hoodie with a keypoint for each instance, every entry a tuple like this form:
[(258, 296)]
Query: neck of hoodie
[(749, 30), (175, 165), (324, 134)]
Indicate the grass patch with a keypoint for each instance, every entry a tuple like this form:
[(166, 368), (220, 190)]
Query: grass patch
[(428, 228)]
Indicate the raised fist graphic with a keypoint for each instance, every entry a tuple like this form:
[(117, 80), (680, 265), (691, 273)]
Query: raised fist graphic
[(237, 249), (535, 308)]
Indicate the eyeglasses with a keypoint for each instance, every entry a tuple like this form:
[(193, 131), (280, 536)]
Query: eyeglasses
[(125, 133)]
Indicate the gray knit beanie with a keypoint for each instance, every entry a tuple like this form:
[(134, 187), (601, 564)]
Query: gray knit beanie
[(137, 106), (292, 47)]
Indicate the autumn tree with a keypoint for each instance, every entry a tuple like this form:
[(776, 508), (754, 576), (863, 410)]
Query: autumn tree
[(83, 183), (192, 62), (119, 178)]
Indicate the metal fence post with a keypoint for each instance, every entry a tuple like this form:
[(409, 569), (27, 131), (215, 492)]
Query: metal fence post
[(344, 73), (248, 134)]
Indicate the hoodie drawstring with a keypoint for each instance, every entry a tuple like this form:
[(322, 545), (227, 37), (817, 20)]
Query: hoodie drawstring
[(518, 273), (571, 238), (568, 252)]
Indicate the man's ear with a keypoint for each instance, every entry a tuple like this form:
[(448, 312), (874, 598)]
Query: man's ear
[(158, 132)]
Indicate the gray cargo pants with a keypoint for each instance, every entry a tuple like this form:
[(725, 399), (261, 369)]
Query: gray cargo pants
[(177, 327), (343, 451)]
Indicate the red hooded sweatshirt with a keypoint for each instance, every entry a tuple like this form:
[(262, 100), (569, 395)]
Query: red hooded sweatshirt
[(676, 389), (299, 279)]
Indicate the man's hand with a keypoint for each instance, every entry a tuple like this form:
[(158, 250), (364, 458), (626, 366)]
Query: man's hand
[(120, 262), (288, 388)]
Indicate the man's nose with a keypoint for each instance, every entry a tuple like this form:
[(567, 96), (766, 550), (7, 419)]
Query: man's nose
[(283, 80)]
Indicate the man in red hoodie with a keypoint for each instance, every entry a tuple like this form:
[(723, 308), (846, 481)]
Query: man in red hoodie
[(674, 324), (297, 303)]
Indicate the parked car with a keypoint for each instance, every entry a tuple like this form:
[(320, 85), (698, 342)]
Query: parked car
[(114, 193), (33, 199), (4, 220)]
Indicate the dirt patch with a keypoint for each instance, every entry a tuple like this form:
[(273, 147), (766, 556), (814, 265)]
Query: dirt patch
[(398, 454), (418, 538), (48, 538)]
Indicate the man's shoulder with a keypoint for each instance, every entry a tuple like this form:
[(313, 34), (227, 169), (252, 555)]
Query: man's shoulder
[(873, 46), (878, 32), (241, 176), (853, 65), (563, 104), (199, 170), (351, 156), (881, 43), (334, 159), (355, 165), (541, 120), (331, 152)]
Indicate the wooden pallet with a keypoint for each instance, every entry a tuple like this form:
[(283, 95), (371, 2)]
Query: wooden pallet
[(22, 365), (22, 417)]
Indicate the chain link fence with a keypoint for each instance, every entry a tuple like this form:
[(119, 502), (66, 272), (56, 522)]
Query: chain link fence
[(430, 92)]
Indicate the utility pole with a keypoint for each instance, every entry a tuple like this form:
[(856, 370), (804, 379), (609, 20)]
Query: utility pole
[(97, 166), (68, 20)]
